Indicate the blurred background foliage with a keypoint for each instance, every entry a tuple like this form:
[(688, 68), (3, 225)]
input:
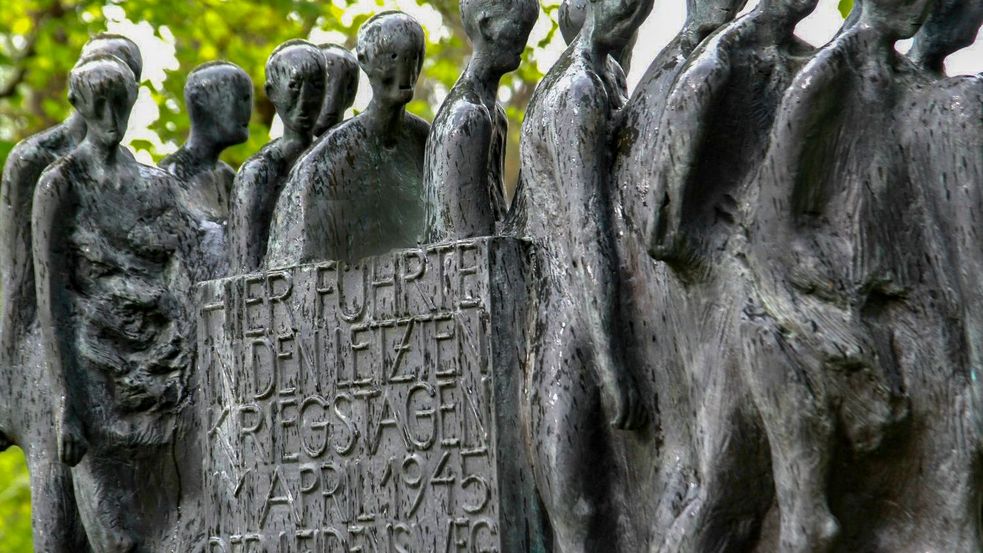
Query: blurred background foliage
[(40, 41)]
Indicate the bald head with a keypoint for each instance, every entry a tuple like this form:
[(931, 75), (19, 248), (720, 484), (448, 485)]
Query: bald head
[(103, 89), (295, 83), (118, 46), (341, 85), (499, 29), (390, 50)]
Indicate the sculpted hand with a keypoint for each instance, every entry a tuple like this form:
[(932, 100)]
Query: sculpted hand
[(665, 241), (72, 444)]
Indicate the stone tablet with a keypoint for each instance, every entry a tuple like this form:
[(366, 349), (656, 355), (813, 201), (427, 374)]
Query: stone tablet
[(369, 407)]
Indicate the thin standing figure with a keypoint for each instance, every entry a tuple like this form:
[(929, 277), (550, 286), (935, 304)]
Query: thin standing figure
[(578, 379), (340, 86), (465, 159), (295, 83)]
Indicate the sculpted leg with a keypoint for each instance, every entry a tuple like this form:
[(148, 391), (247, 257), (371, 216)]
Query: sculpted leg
[(567, 427), (57, 528), (104, 505), (790, 395)]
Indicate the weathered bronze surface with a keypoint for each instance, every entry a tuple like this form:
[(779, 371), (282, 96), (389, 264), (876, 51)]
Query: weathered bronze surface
[(736, 311)]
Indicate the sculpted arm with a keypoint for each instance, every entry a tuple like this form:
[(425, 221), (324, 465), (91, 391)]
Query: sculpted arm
[(580, 150), (680, 149), (249, 218), (459, 166), (50, 221), (16, 265)]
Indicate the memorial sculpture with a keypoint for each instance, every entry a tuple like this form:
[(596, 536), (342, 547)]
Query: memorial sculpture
[(111, 248), (463, 177), (341, 85), (359, 191), (639, 132), (295, 84), (747, 317), (577, 377), (219, 100), (28, 398)]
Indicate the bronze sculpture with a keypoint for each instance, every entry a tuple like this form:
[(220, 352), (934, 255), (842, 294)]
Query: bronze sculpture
[(110, 246), (463, 177), (358, 192), (575, 356), (295, 83), (341, 85), (27, 416), (219, 100)]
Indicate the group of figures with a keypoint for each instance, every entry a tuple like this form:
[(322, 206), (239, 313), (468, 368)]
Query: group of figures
[(757, 313)]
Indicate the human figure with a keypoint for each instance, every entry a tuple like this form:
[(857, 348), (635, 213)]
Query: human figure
[(578, 379), (465, 157), (295, 83), (219, 100), (639, 131), (714, 135), (359, 191), (26, 409), (833, 273), (114, 295), (341, 85)]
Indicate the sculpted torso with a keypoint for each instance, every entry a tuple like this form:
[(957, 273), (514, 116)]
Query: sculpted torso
[(353, 195), (207, 188), (468, 138)]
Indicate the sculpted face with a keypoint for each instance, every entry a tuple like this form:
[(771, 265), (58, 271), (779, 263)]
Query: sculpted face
[(899, 19), (220, 102), (340, 87), (103, 90), (295, 84), (500, 29), (617, 21), (390, 50)]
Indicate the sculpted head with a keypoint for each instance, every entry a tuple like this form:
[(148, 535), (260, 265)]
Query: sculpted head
[(295, 84), (118, 46), (103, 90), (615, 22), (896, 19), (951, 26), (341, 85), (390, 50), (219, 99), (706, 16), (499, 29)]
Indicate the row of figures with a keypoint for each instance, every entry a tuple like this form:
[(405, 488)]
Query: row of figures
[(758, 314)]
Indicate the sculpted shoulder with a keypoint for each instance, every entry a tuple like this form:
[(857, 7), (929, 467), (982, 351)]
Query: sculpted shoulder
[(38, 151)]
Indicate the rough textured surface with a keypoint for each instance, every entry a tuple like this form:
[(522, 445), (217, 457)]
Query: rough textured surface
[(219, 100), (369, 405), (295, 83), (359, 191), (465, 157)]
